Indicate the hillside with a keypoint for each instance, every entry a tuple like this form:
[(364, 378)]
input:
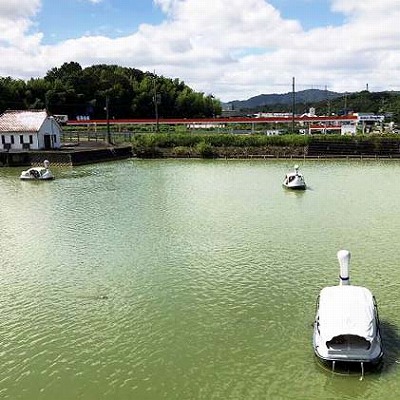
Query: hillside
[(324, 102), (286, 99)]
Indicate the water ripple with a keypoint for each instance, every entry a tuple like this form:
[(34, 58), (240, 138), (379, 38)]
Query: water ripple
[(189, 279)]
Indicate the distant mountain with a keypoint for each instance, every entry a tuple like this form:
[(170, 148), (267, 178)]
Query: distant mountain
[(303, 96)]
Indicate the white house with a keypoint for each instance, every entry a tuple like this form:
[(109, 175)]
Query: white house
[(29, 130)]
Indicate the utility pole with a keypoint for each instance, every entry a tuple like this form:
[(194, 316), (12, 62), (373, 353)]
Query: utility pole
[(328, 103), (293, 103), (108, 119), (156, 100), (213, 105)]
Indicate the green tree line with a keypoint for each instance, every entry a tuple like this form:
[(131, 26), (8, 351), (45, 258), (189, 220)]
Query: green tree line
[(385, 103), (128, 92)]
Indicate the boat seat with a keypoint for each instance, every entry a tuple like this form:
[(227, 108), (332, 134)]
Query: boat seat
[(345, 342)]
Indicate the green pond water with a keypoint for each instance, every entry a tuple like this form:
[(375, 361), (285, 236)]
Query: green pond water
[(190, 279)]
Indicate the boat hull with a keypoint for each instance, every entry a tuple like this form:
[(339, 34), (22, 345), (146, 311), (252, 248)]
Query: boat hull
[(294, 181), (37, 174), (23, 178), (373, 358), (294, 187), (349, 367)]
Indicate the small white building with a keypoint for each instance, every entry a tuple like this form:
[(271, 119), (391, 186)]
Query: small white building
[(29, 130), (348, 129)]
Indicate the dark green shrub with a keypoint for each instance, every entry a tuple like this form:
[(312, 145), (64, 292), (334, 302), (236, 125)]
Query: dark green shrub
[(205, 150)]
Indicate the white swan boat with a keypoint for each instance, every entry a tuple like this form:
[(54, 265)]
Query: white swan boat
[(38, 173), (346, 326), (294, 180)]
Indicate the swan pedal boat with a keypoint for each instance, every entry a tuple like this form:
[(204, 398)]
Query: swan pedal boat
[(37, 173), (294, 180), (346, 326)]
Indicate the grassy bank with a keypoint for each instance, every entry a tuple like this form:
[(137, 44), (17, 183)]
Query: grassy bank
[(229, 145), (215, 145)]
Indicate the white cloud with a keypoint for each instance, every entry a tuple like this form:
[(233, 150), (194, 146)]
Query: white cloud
[(93, 1), (16, 20), (13, 10), (355, 7), (231, 48), (166, 5)]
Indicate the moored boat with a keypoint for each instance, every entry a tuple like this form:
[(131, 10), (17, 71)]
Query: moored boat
[(38, 173), (294, 180), (346, 326)]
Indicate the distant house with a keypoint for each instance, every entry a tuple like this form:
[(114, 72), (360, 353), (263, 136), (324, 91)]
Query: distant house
[(29, 130)]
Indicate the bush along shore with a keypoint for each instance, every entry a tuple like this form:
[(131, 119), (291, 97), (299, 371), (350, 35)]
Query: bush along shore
[(165, 145)]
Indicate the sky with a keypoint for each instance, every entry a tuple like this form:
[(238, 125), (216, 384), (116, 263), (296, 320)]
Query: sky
[(231, 49)]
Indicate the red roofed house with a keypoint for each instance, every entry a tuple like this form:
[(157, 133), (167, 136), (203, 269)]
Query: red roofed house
[(29, 130)]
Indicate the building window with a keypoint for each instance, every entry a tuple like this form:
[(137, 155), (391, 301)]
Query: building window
[(30, 139), (12, 139), (21, 139), (3, 139)]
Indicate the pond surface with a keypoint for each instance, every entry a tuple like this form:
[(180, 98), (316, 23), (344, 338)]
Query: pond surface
[(190, 279)]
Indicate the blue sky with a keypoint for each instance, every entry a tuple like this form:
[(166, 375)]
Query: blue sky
[(310, 13), (68, 19), (233, 49), (122, 17)]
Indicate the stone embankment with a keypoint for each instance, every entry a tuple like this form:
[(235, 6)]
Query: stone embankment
[(385, 148), (325, 148), (67, 155), (87, 153), (275, 152)]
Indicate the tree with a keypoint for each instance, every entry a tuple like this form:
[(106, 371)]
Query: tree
[(73, 90)]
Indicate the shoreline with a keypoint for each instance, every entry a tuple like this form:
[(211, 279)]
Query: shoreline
[(162, 146), (272, 157), (72, 156)]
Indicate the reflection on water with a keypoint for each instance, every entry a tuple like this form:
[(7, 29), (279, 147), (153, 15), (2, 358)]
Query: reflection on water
[(189, 279), (391, 342)]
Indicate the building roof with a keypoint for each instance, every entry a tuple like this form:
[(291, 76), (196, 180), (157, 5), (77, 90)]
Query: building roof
[(346, 310), (22, 121)]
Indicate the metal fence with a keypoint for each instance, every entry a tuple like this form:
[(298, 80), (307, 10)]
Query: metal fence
[(87, 136)]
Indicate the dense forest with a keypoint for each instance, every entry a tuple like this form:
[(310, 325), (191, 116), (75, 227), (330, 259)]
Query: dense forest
[(124, 92)]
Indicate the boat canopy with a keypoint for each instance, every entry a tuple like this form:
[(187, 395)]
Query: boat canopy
[(346, 310)]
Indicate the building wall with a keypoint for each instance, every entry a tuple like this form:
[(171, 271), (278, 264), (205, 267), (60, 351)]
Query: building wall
[(50, 133), (19, 141), (52, 130)]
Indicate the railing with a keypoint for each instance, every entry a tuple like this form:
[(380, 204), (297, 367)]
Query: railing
[(101, 136)]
